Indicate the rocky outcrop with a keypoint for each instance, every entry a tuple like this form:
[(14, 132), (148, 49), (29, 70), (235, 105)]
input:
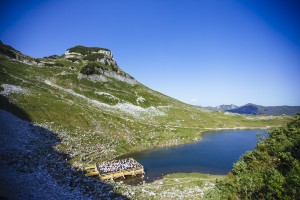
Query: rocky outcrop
[(12, 53)]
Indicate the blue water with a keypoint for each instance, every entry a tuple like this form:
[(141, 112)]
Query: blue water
[(215, 153)]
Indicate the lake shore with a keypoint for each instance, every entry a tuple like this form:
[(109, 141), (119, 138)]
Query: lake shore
[(224, 148), (242, 128), (193, 140), (172, 186)]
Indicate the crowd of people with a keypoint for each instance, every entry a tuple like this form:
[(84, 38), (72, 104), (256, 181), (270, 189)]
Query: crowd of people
[(117, 165)]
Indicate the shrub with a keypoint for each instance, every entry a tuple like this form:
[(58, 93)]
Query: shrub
[(7, 50), (85, 50), (51, 57), (92, 68), (270, 171), (73, 59), (93, 57), (48, 64), (59, 64), (89, 69)]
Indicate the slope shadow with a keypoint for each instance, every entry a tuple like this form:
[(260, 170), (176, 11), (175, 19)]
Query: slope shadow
[(28, 156), (6, 105)]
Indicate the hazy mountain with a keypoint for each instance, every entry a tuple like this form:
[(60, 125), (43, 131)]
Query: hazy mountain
[(252, 109), (222, 107)]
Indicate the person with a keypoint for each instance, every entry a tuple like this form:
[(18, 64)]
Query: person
[(117, 165)]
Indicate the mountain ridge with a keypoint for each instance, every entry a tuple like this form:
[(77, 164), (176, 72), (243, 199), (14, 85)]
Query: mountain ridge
[(253, 109)]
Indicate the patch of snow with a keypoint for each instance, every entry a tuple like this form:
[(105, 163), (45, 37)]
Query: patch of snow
[(11, 89)]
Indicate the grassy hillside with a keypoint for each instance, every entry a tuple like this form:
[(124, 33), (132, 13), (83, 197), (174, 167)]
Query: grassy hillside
[(172, 186), (105, 114)]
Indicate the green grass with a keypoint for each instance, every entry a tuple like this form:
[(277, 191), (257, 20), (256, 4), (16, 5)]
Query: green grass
[(172, 186), (192, 175), (93, 57), (85, 50)]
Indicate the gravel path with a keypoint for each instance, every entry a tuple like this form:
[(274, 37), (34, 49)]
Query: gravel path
[(31, 169)]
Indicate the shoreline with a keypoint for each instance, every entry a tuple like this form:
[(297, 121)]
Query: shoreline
[(207, 130), (242, 128), (204, 131)]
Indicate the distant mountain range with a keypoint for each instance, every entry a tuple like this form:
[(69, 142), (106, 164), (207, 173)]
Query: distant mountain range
[(252, 109)]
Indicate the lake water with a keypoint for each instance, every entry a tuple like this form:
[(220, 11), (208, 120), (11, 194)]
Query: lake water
[(215, 153)]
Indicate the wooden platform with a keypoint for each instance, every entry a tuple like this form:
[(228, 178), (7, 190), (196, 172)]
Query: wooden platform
[(114, 169), (115, 175)]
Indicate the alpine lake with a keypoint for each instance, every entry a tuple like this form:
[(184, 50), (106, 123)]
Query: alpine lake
[(214, 153)]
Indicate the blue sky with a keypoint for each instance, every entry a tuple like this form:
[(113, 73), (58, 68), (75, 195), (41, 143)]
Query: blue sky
[(203, 52)]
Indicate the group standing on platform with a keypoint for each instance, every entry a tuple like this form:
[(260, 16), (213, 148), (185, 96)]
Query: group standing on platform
[(117, 165)]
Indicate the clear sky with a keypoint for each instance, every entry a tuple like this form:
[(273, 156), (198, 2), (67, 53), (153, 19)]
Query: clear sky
[(203, 52)]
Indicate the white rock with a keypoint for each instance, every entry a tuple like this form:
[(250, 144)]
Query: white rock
[(10, 89)]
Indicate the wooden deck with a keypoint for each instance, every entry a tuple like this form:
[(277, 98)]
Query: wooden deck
[(101, 171), (115, 175)]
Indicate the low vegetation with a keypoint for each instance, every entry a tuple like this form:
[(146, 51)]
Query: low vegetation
[(271, 171), (93, 57), (9, 51), (85, 50), (173, 186), (91, 68), (98, 68)]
